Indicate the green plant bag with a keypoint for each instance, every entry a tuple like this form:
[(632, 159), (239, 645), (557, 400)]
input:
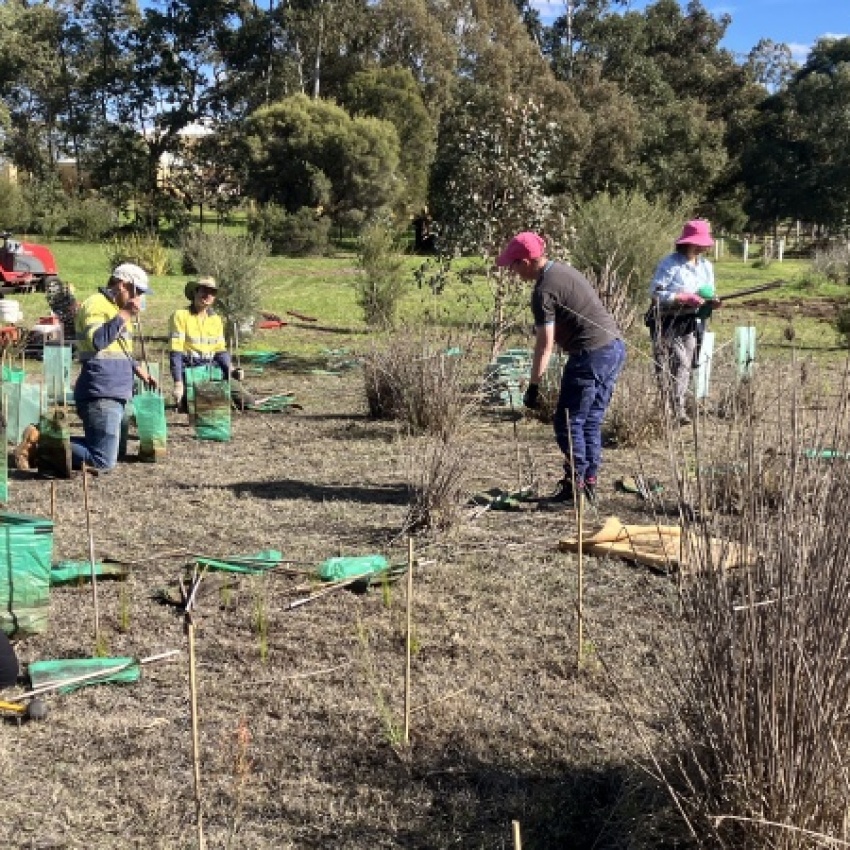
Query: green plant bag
[(257, 564), (43, 673), (153, 371), (149, 410), (338, 569), (26, 548), (194, 375), (57, 373), (212, 411)]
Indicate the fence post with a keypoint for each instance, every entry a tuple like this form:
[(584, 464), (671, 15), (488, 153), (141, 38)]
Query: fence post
[(746, 249)]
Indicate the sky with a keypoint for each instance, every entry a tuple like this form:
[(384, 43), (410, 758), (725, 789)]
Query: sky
[(797, 23)]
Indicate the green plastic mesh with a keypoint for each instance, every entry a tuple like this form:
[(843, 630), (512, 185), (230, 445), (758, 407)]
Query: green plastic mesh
[(57, 373), (337, 569), (79, 572), (152, 428), (13, 376), (256, 564), (212, 411), (118, 670), (22, 403), (26, 553)]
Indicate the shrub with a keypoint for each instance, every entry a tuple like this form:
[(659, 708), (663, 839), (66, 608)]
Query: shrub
[(236, 262), (833, 262), (380, 283), (47, 203), (842, 325), (615, 293), (762, 687), (143, 249), (299, 234), (635, 416), (414, 380), (14, 208), (439, 483), (626, 234), (91, 219)]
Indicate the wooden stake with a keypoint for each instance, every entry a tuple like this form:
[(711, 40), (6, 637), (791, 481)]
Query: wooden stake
[(193, 694), (408, 641), (91, 557), (517, 836), (196, 744), (580, 588)]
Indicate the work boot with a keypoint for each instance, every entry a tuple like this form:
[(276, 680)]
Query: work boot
[(26, 452), (590, 489), (564, 498)]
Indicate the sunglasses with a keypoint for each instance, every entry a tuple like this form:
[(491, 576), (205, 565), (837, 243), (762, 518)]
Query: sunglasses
[(205, 290)]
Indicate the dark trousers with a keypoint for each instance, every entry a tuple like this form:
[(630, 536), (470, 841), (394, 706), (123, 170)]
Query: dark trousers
[(586, 389)]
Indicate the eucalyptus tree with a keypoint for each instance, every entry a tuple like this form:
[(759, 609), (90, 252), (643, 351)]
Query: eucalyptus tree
[(796, 164)]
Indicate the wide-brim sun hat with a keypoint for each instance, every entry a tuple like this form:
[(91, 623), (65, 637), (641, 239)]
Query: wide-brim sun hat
[(192, 285), (696, 232), (134, 275), (524, 246)]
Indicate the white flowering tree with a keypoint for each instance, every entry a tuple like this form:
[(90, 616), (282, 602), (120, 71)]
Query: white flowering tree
[(490, 182)]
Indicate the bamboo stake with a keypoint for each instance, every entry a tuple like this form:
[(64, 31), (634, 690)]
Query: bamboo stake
[(193, 694), (196, 745), (516, 834), (328, 590), (408, 641), (580, 588), (91, 556)]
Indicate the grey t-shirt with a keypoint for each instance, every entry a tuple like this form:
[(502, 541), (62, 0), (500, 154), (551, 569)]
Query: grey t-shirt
[(564, 296)]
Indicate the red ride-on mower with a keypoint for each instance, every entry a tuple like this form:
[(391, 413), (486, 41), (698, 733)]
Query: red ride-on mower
[(25, 267)]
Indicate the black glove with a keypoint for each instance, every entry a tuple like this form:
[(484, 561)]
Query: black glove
[(237, 374), (531, 398)]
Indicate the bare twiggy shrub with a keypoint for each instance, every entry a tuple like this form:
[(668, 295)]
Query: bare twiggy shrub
[(422, 382), (439, 483), (636, 416), (615, 291), (761, 735)]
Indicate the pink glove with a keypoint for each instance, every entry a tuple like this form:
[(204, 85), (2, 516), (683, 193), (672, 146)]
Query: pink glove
[(689, 299)]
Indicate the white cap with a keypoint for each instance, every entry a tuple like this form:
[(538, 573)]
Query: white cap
[(132, 274)]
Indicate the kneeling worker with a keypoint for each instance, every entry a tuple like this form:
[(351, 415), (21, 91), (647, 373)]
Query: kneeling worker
[(105, 349), (197, 336)]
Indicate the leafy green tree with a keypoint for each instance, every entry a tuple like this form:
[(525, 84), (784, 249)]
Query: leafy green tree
[(392, 95), (310, 153), (796, 163)]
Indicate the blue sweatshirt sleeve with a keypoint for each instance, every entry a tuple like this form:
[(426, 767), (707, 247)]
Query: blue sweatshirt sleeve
[(107, 333)]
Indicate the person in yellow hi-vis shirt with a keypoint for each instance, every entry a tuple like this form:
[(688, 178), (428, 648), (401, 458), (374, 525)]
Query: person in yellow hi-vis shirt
[(104, 326), (197, 336)]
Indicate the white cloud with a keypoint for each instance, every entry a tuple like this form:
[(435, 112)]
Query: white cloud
[(799, 52)]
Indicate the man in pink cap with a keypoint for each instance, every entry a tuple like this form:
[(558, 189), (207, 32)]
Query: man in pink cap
[(567, 311), (682, 283)]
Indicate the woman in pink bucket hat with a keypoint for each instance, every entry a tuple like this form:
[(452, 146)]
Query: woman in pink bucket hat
[(682, 283)]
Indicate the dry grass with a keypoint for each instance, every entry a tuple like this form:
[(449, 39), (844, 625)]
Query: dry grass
[(296, 730)]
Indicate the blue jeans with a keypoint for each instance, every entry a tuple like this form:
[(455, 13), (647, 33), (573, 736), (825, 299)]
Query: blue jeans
[(105, 429), (586, 389)]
